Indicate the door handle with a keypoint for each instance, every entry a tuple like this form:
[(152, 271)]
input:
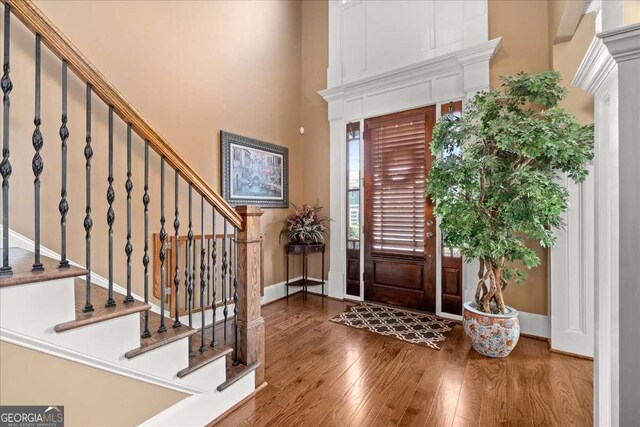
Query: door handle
[(430, 235)]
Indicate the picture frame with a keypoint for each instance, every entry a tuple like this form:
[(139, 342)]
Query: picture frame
[(253, 172)]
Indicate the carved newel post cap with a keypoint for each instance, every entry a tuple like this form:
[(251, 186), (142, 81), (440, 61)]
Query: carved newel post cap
[(249, 210)]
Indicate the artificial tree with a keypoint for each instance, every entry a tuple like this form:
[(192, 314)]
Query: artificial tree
[(495, 179)]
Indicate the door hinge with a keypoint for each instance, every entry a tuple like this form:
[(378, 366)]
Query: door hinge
[(167, 291), (167, 245)]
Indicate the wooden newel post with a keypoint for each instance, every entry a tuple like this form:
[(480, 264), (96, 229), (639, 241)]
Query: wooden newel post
[(250, 321)]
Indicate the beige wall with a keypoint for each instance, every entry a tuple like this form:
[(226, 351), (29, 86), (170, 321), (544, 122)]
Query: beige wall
[(524, 30), (193, 71), (314, 144), (527, 29), (566, 59), (631, 12), (523, 26), (91, 397), (190, 71)]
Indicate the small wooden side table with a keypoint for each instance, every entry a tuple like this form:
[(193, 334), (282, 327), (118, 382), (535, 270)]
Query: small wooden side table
[(305, 250)]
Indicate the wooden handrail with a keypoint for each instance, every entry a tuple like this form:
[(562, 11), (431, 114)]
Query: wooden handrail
[(33, 18)]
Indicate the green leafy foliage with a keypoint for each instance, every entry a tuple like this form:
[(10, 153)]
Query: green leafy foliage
[(495, 179)]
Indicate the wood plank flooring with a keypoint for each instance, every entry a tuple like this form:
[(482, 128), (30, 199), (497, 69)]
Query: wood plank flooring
[(324, 374)]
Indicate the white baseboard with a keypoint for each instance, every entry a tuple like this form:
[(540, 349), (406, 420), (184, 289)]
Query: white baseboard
[(85, 359), (537, 325), (450, 316), (279, 290), (533, 324)]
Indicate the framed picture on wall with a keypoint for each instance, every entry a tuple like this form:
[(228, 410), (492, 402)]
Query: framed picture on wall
[(254, 172)]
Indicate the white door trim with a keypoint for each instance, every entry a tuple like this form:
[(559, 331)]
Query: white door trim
[(456, 75)]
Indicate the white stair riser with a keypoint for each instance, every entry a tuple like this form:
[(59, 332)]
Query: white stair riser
[(241, 388), (34, 309), (109, 340), (208, 377), (163, 362)]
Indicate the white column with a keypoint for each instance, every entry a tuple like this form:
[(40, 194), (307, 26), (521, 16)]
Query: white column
[(597, 75), (624, 44)]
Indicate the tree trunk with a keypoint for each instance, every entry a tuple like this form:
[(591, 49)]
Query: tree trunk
[(481, 288), (496, 285), (497, 274)]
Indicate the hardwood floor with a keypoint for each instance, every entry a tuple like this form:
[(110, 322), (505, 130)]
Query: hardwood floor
[(324, 374)]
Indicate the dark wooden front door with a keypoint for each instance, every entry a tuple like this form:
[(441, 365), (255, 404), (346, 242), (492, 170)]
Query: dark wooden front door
[(399, 228)]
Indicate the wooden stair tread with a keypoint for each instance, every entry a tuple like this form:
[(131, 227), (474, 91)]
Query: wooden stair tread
[(236, 373), (202, 359), (21, 262), (159, 339), (100, 313)]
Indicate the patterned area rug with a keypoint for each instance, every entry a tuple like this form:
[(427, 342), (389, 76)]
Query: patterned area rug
[(410, 326)]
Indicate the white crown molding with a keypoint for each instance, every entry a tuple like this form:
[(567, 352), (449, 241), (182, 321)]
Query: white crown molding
[(591, 6), (595, 67), (623, 42), (453, 61)]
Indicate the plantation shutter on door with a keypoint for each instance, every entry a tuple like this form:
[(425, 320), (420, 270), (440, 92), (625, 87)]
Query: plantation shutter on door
[(397, 164)]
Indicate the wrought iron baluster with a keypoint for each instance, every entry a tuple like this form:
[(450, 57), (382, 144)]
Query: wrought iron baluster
[(186, 275), (235, 297), (88, 222), (5, 166), (63, 206), (190, 262), (203, 255), (230, 268), (128, 248), (193, 275), (145, 259), (163, 236), (214, 257), (37, 165), (225, 310), (176, 277), (208, 271), (111, 215)]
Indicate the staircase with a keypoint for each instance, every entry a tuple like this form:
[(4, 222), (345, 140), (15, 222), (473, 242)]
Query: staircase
[(202, 332)]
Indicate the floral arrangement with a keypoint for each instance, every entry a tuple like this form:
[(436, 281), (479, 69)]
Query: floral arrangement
[(305, 225)]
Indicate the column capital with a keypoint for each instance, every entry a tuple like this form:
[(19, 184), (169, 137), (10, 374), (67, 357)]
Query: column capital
[(623, 43)]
